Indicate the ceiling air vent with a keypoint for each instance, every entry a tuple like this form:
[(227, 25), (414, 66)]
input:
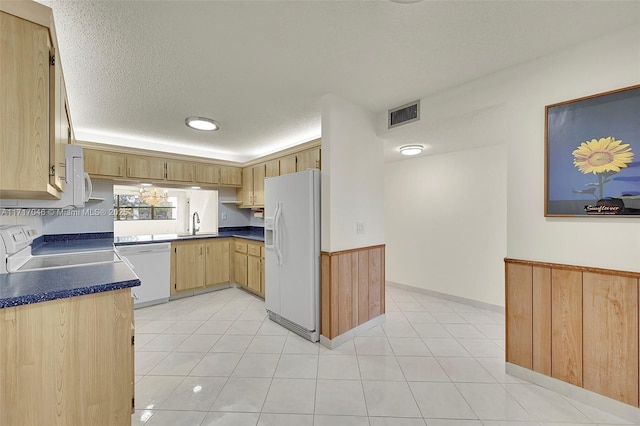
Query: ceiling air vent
[(404, 114)]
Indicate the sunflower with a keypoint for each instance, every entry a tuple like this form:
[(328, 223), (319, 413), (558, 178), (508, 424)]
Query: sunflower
[(602, 155)]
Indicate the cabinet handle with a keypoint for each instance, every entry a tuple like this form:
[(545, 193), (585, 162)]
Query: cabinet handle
[(120, 170), (200, 250), (129, 171), (207, 249)]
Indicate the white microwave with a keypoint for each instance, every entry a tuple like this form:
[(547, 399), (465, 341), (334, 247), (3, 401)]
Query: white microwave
[(77, 189)]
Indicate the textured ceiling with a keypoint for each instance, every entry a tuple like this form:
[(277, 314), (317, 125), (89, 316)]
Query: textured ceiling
[(135, 69)]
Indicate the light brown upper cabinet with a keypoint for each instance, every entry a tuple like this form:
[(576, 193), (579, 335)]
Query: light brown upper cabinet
[(288, 164), (207, 173), (145, 167), (104, 163), (272, 168), (230, 176), (252, 191), (309, 159), (60, 128), (215, 174), (179, 171), (34, 127)]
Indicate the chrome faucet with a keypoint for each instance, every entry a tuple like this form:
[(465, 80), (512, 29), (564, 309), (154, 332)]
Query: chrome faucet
[(196, 217)]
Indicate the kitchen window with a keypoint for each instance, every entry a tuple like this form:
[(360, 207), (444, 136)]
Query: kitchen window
[(133, 207)]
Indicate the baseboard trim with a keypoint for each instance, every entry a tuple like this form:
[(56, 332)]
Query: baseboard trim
[(478, 304), (196, 292), (585, 396), (345, 337)]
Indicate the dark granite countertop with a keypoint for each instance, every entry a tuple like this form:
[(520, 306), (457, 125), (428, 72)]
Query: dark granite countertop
[(253, 233), (36, 286), (22, 288)]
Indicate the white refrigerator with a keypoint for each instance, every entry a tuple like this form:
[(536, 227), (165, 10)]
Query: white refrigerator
[(292, 251)]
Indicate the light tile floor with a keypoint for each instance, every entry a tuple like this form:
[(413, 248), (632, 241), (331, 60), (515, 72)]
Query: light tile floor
[(216, 359)]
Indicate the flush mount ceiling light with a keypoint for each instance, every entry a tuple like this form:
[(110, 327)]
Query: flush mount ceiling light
[(411, 149), (202, 123)]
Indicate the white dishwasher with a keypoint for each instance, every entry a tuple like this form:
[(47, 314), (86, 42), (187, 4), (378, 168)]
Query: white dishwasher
[(152, 264)]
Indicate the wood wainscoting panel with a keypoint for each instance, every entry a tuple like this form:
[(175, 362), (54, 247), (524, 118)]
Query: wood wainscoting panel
[(363, 286), (325, 295), (566, 322), (519, 314), (376, 282), (345, 292), (352, 290), (610, 357), (542, 320)]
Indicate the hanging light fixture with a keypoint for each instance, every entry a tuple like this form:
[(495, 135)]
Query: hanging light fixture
[(411, 149), (153, 196)]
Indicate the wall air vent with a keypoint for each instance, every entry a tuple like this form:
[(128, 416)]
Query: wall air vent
[(404, 114)]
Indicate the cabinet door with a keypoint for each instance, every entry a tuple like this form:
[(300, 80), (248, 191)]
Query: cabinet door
[(288, 164), (272, 168), (240, 268), (231, 176), (60, 129), (309, 159), (253, 273), (179, 171), (189, 266), (62, 356), (207, 173), (24, 89), (258, 185), (262, 287), (247, 186), (103, 163), (145, 167), (217, 262)]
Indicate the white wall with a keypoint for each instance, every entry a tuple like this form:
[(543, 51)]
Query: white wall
[(609, 63), (205, 203), (352, 176), (95, 217), (445, 222), (228, 214), (520, 94)]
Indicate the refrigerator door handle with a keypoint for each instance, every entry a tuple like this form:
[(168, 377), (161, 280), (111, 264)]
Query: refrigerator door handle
[(276, 233)]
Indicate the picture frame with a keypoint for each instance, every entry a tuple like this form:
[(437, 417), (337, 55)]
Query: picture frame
[(592, 155)]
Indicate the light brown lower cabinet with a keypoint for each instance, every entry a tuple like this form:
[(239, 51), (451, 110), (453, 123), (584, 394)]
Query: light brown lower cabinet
[(240, 263), (200, 263), (217, 261), (211, 261), (249, 265), (68, 361), (576, 324)]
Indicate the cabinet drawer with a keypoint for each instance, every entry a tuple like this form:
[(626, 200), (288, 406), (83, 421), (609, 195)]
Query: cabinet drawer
[(254, 250), (241, 247)]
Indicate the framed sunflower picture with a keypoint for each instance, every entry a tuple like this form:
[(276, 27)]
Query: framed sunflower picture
[(592, 155)]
